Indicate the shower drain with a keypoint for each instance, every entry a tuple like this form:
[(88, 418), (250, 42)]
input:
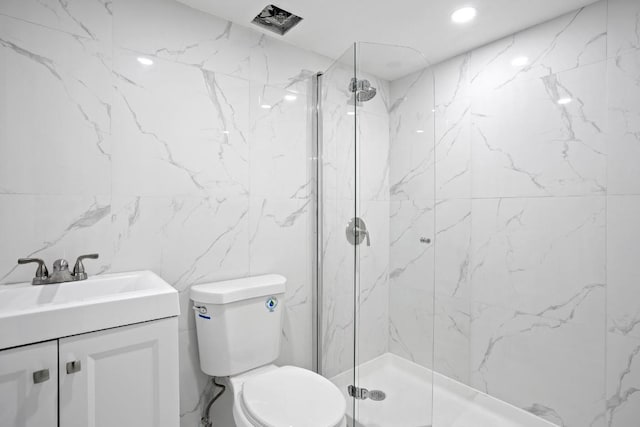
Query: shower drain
[(362, 393), (377, 395)]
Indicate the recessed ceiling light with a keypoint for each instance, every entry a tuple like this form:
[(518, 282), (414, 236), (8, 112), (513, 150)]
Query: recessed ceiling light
[(226, 132), (265, 106), (464, 15), (351, 113), (520, 61), (419, 131), (145, 61), (564, 101), (290, 97)]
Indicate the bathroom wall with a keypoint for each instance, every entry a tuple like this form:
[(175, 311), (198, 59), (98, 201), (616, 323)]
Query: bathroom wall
[(411, 213), (173, 167), (536, 218)]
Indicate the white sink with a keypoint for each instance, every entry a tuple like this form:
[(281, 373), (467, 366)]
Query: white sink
[(31, 314)]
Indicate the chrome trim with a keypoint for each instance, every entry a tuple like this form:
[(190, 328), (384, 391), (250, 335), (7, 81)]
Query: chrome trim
[(316, 222)]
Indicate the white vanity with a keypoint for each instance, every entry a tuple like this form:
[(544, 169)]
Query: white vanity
[(98, 352)]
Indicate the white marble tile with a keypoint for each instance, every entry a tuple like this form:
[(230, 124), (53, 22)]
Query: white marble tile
[(411, 324), (336, 80), (136, 229), (623, 82), (623, 234), (552, 367), (56, 112), (570, 41), (411, 122), (411, 261), (204, 240), (451, 346), (623, 26), (338, 208), (453, 247), (373, 282), (273, 64), (540, 256), (338, 153), (373, 159), (279, 244), (280, 143), (52, 227), (172, 31), (524, 143), (623, 380), (411, 285), (338, 289), (88, 19), (185, 138), (338, 345), (452, 128)]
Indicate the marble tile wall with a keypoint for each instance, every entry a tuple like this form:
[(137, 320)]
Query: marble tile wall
[(411, 175), (536, 218), (172, 167), (623, 224)]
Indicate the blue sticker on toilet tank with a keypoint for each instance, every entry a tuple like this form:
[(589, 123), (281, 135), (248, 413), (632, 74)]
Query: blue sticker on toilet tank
[(204, 317), (271, 303)]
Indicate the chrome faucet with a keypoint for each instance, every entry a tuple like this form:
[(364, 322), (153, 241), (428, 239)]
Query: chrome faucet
[(61, 271), (357, 232)]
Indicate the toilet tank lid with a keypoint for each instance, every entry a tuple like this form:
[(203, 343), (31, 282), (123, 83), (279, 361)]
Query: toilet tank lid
[(229, 291)]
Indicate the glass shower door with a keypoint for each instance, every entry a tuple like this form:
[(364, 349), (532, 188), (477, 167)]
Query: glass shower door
[(394, 269), (336, 188), (374, 276)]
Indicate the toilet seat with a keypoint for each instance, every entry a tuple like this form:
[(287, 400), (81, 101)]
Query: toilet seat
[(292, 397)]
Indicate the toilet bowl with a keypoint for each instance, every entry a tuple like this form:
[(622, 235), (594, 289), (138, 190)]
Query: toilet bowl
[(273, 396), (238, 325)]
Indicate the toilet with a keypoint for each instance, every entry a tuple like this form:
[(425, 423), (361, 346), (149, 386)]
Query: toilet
[(239, 324)]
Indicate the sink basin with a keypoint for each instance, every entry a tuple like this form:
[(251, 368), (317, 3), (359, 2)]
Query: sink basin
[(31, 314)]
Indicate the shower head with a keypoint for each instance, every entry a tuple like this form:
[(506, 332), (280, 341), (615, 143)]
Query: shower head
[(362, 90), (366, 94)]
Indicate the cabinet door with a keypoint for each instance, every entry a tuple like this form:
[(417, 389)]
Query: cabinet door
[(29, 386), (124, 377)]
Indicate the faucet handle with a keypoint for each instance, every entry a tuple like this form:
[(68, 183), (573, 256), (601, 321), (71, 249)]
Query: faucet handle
[(78, 269), (41, 272)]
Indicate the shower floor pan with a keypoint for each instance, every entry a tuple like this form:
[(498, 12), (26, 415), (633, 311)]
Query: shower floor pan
[(408, 399)]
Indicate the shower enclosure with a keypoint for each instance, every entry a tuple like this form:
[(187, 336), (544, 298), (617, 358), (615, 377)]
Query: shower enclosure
[(375, 258), (478, 228)]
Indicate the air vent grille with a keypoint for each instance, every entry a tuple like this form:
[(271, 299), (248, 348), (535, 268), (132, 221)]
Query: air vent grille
[(274, 19)]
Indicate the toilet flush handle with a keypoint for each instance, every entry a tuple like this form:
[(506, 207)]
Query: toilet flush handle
[(200, 309)]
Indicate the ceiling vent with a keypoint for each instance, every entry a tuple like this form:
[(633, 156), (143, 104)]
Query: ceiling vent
[(274, 19)]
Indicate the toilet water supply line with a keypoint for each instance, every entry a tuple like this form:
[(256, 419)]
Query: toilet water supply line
[(205, 420)]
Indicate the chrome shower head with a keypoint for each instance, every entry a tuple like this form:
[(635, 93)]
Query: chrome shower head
[(362, 89), (366, 94)]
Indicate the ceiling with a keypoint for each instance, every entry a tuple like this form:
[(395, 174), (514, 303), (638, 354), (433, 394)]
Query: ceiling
[(329, 26)]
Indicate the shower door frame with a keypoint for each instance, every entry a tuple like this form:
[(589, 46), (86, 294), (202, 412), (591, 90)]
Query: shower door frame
[(316, 223)]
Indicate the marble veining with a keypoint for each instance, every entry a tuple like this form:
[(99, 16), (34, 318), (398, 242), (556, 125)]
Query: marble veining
[(527, 289), (534, 217), (176, 167)]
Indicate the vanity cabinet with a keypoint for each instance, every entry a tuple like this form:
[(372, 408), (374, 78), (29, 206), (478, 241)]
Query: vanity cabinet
[(125, 377), (29, 386)]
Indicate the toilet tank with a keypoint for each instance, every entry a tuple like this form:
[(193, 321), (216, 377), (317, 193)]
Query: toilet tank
[(238, 323)]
